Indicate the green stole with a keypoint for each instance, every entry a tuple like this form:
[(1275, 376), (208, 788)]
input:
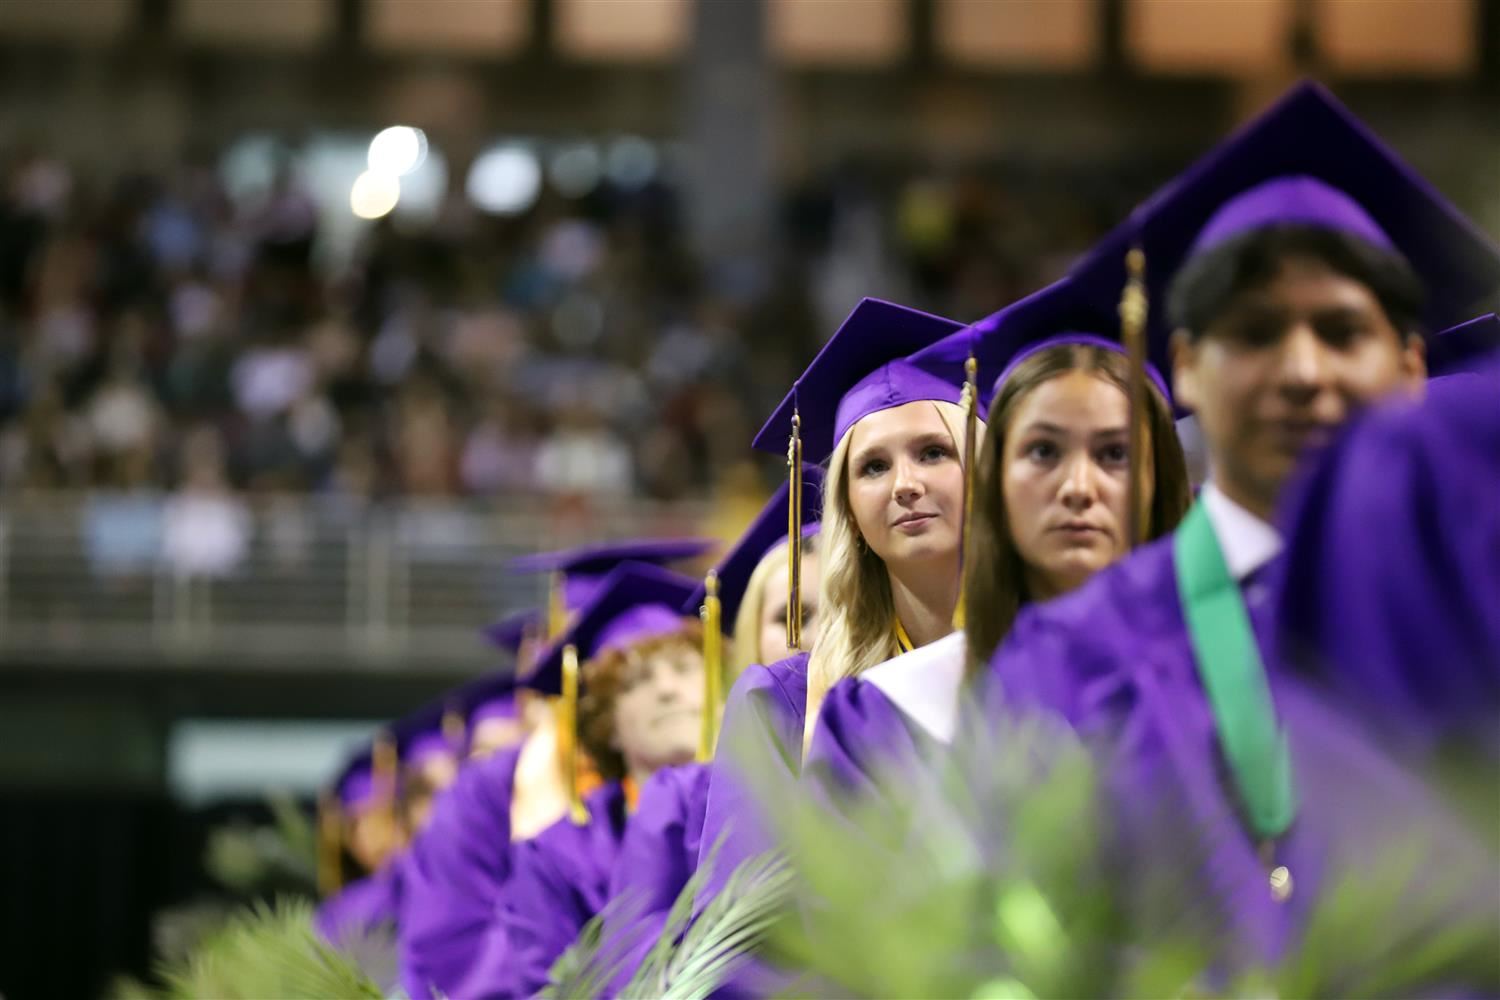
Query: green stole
[(1234, 678)]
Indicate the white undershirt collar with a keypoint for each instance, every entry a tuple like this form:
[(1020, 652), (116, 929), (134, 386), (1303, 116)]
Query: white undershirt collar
[(1248, 543)]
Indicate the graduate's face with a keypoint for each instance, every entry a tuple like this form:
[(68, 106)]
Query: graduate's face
[(1066, 480), (906, 484), (771, 642), (1283, 367), (373, 836), (659, 709), (428, 778), (492, 735)]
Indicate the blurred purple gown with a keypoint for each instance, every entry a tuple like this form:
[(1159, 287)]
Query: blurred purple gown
[(762, 731), (362, 905), (1113, 660), (657, 858), (453, 877), (1392, 577), (560, 880)]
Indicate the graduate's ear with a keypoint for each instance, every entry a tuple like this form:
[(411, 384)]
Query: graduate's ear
[(1185, 390), (1414, 363)]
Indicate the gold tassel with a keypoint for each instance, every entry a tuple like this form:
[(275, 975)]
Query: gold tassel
[(713, 666), (330, 845), (455, 730), (971, 435), (1134, 308), (383, 775), (557, 608), (794, 535), (567, 735)]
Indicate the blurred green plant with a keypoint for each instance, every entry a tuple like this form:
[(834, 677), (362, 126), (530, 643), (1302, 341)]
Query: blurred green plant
[(266, 951)]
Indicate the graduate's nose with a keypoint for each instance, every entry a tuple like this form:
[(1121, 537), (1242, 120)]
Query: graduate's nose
[(908, 487), (1302, 370), (1079, 487)]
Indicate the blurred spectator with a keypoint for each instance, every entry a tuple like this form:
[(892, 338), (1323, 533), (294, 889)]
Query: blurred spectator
[(584, 457), (575, 350), (206, 530)]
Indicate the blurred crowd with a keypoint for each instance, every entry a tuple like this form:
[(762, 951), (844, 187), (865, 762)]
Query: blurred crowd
[(159, 337)]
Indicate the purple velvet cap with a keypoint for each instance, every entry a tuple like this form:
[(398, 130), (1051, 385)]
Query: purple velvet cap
[(427, 746), (1469, 347), (1057, 314), (585, 568), (766, 532), (356, 787), (1263, 173), (637, 601), (509, 632), (1298, 200), (502, 707), (863, 369)]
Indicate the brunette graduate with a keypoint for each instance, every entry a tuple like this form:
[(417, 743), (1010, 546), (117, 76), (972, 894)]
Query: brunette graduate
[(1296, 255)]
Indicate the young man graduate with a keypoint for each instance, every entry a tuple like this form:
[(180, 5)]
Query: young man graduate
[(1297, 255)]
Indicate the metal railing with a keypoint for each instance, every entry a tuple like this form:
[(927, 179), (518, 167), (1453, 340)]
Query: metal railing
[(281, 582)]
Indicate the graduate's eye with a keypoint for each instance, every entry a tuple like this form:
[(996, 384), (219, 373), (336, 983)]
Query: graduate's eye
[(1042, 451), (1114, 455), (873, 467), (1341, 331), (936, 453)]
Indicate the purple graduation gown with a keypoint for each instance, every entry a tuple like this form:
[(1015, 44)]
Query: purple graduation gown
[(859, 739), (454, 874), (362, 905), (1113, 660), (762, 730), (657, 858), (1394, 590), (560, 881)]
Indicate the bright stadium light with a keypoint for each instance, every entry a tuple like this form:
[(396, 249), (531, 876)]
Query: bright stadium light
[(398, 150), (505, 180), (374, 194)]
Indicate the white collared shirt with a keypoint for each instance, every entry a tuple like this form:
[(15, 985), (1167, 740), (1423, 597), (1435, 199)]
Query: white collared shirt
[(1248, 543), (925, 683)]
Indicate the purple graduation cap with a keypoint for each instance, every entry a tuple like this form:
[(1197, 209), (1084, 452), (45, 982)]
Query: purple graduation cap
[(1305, 160), (636, 601), (432, 732), (355, 785), (510, 632), (1472, 347), (1058, 314), (863, 369), (584, 569), (767, 531)]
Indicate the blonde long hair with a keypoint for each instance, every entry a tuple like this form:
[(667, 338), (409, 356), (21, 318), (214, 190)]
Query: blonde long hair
[(744, 651), (856, 608)]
